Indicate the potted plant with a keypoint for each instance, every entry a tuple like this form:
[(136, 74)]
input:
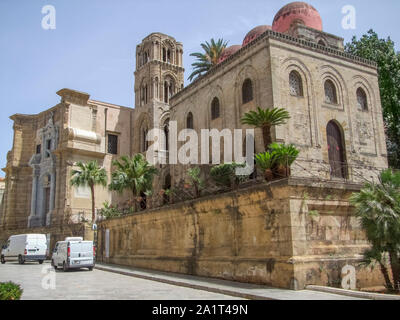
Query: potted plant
[(266, 162), (285, 156), (225, 175)]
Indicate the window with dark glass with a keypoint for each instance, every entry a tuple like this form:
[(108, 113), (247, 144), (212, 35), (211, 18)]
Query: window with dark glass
[(330, 92), (362, 103), (112, 144), (215, 109), (38, 149), (295, 84), (189, 121), (247, 91)]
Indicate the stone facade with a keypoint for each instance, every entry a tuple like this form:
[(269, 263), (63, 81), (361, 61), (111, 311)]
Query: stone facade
[(262, 235)]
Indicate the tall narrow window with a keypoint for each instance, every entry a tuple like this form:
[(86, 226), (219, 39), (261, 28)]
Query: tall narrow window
[(189, 121), (247, 91), (166, 133), (144, 144), (164, 57), (215, 109), (330, 92), (295, 84), (112, 145), (336, 150), (362, 102), (166, 94), (38, 149), (169, 56)]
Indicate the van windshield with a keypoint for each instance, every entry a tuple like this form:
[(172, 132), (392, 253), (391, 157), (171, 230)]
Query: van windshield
[(81, 247)]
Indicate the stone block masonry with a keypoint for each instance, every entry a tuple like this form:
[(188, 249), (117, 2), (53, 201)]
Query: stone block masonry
[(287, 234)]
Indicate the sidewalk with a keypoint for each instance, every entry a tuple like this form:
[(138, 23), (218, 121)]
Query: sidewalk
[(235, 289)]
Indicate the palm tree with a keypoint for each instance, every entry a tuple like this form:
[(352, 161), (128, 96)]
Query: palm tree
[(89, 174), (205, 61), (134, 174), (266, 119), (378, 207)]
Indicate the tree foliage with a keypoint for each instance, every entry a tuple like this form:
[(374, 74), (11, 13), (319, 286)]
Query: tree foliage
[(89, 174), (134, 174), (266, 119), (383, 52), (378, 207), (205, 61)]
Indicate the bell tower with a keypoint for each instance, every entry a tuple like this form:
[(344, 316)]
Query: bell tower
[(159, 75), (159, 69)]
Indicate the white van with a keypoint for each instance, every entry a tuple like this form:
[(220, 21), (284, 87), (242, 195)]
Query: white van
[(73, 253), (25, 247)]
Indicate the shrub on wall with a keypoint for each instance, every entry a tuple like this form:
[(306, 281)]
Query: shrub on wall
[(10, 291), (225, 175)]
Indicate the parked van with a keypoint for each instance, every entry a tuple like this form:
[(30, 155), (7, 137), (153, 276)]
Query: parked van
[(25, 247), (73, 253)]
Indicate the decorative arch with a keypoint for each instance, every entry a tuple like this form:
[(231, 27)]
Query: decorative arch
[(311, 116), (295, 84), (331, 92), (362, 100), (189, 120), (215, 94), (142, 131), (247, 91), (247, 72), (336, 150), (215, 109)]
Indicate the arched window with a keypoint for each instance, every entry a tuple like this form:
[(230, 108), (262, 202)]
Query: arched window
[(247, 91), (215, 109), (362, 102), (144, 144), (336, 150), (322, 43), (166, 133), (169, 56), (295, 84), (330, 92), (189, 121), (166, 95)]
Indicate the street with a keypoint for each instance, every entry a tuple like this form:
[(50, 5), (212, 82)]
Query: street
[(37, 282)]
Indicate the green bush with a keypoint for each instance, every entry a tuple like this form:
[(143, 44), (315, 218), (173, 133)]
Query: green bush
[(109, 212), (266, 160), (225, 175), (10, 291), (285, 154)]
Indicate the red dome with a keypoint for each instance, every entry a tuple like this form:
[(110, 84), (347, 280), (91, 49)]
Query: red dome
[(297, 11), (228, 52), (255, 33)]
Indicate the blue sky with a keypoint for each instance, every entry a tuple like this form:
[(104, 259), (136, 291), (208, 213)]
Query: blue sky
[(93, 46)]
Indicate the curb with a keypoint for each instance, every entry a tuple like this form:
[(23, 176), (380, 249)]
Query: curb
[(355, 294), (185, 284)]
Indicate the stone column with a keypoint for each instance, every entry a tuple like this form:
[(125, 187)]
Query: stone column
[(33, 198), (52, 197)]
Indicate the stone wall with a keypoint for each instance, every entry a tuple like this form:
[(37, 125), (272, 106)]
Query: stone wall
[(287, 234)]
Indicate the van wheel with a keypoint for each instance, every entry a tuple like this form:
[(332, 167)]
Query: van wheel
[(40, 261), (53, 265), (21, 260), (90, 268), (65, 268), (3, 261)]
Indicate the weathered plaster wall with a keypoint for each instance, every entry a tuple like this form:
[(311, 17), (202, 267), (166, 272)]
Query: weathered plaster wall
[(262, 234)]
